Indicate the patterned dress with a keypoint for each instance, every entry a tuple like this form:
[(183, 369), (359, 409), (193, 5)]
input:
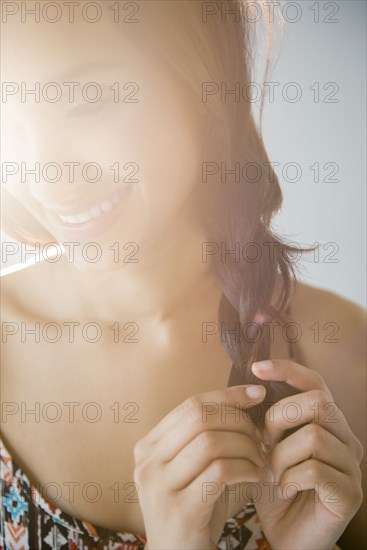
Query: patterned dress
[(29, 522)]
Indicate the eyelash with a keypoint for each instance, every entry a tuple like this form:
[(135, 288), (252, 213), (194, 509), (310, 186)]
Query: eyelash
[(87, 108)]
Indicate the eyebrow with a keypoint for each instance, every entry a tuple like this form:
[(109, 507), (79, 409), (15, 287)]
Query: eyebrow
[(87, 68)]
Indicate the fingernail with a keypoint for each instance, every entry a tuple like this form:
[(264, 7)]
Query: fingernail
[(264, 448), (263, 457), (255, 392), (263, 365)]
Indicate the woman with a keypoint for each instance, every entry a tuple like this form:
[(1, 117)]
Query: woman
[(133, 413)]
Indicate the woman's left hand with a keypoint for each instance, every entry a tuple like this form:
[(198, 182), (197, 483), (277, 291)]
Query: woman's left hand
[(312, 486)]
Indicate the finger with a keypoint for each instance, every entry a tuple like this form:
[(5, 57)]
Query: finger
[(312, 406), (311, 441), (337, 491), (212, 408), (221, 472), (229, 419), (294, 374), (205, 448)]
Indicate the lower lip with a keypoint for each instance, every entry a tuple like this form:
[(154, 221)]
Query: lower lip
[(92, 228)]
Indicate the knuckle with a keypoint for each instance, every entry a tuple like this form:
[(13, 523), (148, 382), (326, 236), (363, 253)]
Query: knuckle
[(270, 415), (208, 442), (138, 450), (192, 406), (218, 469), (314, 434), (320, 397), (319, 379), (140, 473), (359, 496), (359, 450), (356, 496), (313, 471)]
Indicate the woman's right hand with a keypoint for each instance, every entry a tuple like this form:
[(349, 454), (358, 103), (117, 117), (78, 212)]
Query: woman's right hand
[(183, 464)]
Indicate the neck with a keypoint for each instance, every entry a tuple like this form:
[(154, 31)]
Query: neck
[(168, 278)]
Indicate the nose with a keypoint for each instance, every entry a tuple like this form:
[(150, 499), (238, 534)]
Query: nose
[(50, 171)]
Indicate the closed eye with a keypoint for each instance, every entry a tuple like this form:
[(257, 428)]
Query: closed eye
[(89, 108)]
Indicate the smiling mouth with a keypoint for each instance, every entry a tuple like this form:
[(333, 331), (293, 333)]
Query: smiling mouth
[(96, 211)]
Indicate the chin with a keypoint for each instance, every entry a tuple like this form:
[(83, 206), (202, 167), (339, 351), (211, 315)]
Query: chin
[(103, 265)]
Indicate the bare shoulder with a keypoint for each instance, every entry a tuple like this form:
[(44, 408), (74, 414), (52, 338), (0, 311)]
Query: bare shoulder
[(311, 298), (329, 324), (12, 289), (27, 292), (332, 340)]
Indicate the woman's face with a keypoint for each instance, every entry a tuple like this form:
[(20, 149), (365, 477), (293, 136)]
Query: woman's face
[(115, 133)]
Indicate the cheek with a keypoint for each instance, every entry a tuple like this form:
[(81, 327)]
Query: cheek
[(15, 189), (167, 147)]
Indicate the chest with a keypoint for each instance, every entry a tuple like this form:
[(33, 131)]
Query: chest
[(73, 411)]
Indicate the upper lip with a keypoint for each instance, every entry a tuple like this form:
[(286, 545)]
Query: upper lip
[(77, 208)]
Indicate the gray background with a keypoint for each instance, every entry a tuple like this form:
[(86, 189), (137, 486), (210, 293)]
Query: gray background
[(307, 131)]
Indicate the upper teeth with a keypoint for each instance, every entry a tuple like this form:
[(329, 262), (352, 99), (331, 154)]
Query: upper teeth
[(94, 212)]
